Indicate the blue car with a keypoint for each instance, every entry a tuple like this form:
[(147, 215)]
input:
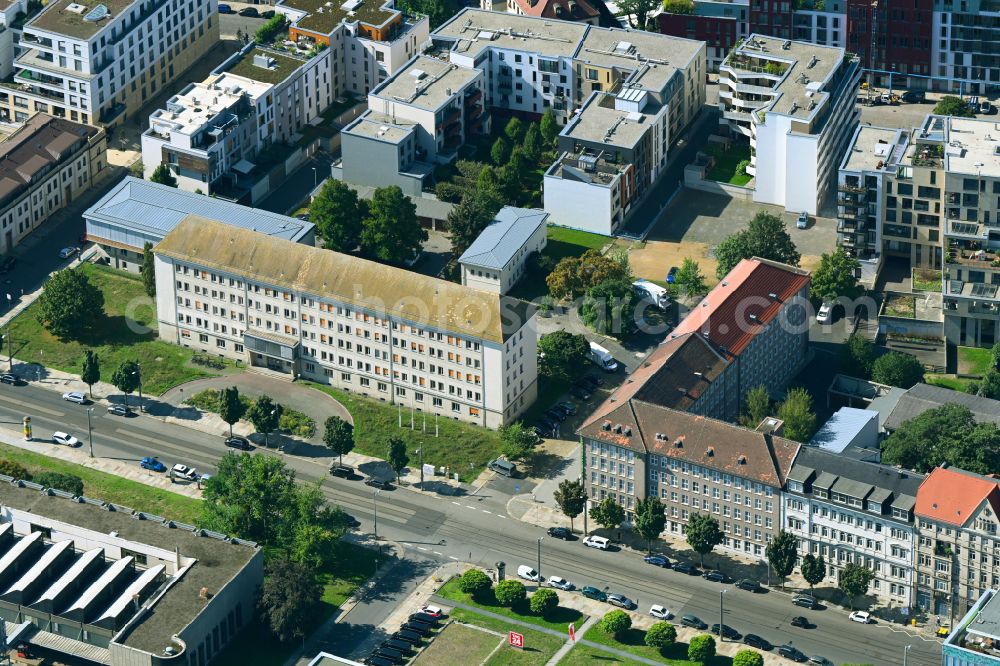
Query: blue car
[(152, 463), (672, 275), (225, 9)]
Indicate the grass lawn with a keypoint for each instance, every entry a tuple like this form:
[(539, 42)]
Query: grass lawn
[(584, 654), (558, 621), (538, 646), (459, 644), (292, 422), (947, 381), (127, 332), (926, 280), (901, 306), (564, 242), (726, 161), (111, 488), (632, 641), (974, 360), (465, 447)]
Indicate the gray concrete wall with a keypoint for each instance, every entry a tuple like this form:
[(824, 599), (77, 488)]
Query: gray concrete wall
[(375, 163)]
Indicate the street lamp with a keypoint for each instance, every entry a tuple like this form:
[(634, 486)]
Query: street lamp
[(539, 569), (375, 505), (722, 617), (905, 651), (90, 431), (420, 452), (138, 373), (315, 178)]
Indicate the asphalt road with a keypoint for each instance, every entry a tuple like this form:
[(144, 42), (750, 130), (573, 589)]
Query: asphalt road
[(477, 529)]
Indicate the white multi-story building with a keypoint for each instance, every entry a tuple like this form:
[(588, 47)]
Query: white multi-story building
[(380, 331), (846, 511), (98, 63), (796, 103), (498, 258)]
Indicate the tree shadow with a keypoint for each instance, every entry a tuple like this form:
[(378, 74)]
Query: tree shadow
[(30, 371), (115, 330), (546, 465)]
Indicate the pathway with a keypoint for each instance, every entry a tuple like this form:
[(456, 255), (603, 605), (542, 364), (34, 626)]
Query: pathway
[(568, 645)]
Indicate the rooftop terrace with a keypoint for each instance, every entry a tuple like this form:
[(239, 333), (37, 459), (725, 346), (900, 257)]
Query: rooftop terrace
[(70, 17), (279, 66), (600, 122), (874, 149), (476, 29), (325, 15), (426, 83)]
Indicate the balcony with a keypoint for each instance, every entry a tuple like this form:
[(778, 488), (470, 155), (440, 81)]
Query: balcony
[(850, 187), (473, 97), (983, 259), (847, 225), (738, 116), (966, 229)]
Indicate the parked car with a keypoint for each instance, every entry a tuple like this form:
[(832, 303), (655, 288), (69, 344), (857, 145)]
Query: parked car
[(236, 442), (378, 483), (398, 644), (65, 438), (791, 652), (661, 612), (268, 14), (621, 601), (342, 471), (825, 313), (672, 275), (986, 108), (580, 393), (748, 585), (657, 561), (568, 406), (593, 593), (527, 573), (7, 264), (409, 636), (225, 9), (560, 583), (593, 380), (152, 463), (686, 568), (694, 622), (549, 424), (598, 542), (8, 379), (727, 631), (68, 252), (753, 640), (418, 628), (184, 472), (864, 617), (75, 396), (503, 467), (119, 410), (804, 600), (540, 431), (820, 661), (802, 221), (250, 12), (716, 576), (387, 652), (556, 414), (377, 660), (560, 533), (425, 618), (351, 521), (800, 621), (914, 96), (433, 611)]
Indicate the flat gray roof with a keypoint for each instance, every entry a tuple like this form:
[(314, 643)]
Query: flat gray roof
[(426, 83), (652, 57), (987, 621), (156, 209), (599, 121), (379, 126), (477, 29), (978, 147), (873, 146)]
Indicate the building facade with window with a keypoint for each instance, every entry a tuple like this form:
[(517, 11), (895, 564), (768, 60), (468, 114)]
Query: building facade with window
[(498, 258), (45, 165), (383, 332), (849, 511), (98, 63), (958, 557), (694, 465)]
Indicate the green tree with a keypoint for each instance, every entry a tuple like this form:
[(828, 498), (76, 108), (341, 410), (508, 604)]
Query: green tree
[(701, 649), (764, 237), (475, 582), (252, 497), (637, 11), (270, 29), (703, 534), (289, 599), (162, 175), (338, 435), (615, 623), (510, 593), (549, 127), (148, 270), (516, 441), (609, 309), (564, 280), (995, 355), (396, 456), (650, 519), (857, 356), (757, 407), (14, 470), (563, 356), (813, 569), (265, 415), (514, 131), (338, 214), (854, 580), (796, 412), (231, 407), (69, 304), (126, 378), (661, 636), (532, 143), (949, 105), (391, 233), (91, 371), (748, 658), (948, 434), (499, 152), (314, 545), (836, 276), (781, 553), (987, 387), (897, 369), (609, 514), (571, 498), (469, 218), (544, 602), (689, 278), (71, 483)]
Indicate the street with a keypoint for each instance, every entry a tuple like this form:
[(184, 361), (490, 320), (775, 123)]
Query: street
[(477, 529)]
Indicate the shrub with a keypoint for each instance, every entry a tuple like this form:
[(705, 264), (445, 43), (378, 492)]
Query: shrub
[(661, 635), (448, 191), (296, 423), (11, 468), (701, 648), (474, 582), (510, 593), (741, 168), (748, 658), (616, 623), (71, 483), (544, 601)]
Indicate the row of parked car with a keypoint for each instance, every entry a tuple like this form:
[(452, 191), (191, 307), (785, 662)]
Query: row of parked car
[(547, 424), (402, 645)]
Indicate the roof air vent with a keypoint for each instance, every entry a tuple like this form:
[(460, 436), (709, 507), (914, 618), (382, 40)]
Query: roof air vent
[(773, 296), (627, 431), (710, 452), (618, 428), (606, 425), (742, 460), (678, 443)]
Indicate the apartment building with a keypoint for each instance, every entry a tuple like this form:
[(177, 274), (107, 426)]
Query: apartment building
[(499, 256), (849, 511), (796, 103), (296, 311), (583, 11), (98, 63), (12, 16), (693, 464), (368, 40), (45, 165), (975, 639), (958, 557)]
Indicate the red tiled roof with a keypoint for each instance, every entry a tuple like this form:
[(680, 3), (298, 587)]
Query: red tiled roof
[(568, 10), (708, 442), (952, 495), (687, 362), (725, 315)]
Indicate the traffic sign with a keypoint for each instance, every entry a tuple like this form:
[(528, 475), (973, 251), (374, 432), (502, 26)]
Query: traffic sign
[(516, 640)]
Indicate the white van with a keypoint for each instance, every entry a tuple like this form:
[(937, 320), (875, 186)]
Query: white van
[(645, 289), (602, 358), (527, 573)]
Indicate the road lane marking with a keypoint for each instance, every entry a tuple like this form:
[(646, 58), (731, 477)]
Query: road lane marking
[(489, 512), (32, 407), (421, 548), (456, 503), (452, 557), (437, 552), (470, 507)]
